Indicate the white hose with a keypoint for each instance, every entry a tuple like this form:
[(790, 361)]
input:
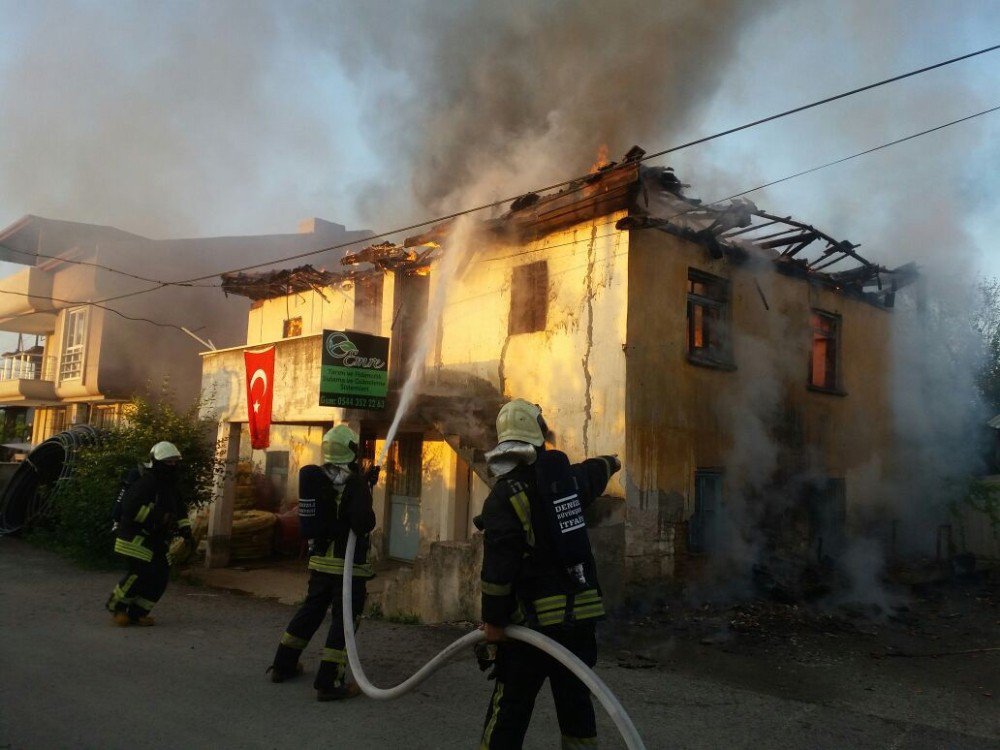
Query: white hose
[(562, 654)]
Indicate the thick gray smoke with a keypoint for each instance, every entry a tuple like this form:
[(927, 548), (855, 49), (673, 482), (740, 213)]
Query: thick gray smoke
[(530, 91), (184, 117)]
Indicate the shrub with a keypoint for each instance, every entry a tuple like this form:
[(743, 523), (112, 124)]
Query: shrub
[(79, 524)]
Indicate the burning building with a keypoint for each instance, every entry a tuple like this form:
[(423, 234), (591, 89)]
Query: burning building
[(737, 360)]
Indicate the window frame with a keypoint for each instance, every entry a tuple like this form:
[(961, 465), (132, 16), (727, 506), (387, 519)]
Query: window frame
[(288, 325), (75, 325), (833, 359), (529, 298), (718, 353), (703, 524)]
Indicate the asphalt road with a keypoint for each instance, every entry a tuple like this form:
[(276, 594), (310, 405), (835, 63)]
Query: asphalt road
[(69, 679)]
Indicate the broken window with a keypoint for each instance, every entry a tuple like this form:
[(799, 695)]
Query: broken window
[(529, 298), (823, 361), (292, 327), (708, 319), (707, 501), (368, 304)]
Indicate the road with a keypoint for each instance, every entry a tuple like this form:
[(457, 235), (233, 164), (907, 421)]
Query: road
[(72, 680)]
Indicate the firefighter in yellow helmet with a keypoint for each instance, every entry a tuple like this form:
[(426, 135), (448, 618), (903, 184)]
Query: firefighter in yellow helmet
[(539, 571), (334, 499), (150, 511)]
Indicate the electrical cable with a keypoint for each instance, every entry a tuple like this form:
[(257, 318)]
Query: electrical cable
[(540, 641), (576, 180), (191, 282)]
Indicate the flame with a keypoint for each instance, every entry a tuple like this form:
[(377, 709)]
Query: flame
[(602, 159)]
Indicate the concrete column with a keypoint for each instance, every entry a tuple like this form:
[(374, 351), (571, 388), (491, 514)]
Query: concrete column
[(220, 519)]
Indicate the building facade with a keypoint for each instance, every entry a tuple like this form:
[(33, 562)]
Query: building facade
[(737, 362), (87, 360)]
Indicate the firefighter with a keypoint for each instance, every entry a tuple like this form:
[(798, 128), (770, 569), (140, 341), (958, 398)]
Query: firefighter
[(152, 512), (334, 500), (539, 571)]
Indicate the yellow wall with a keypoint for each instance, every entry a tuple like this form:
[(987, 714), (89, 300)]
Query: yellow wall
[(682, 417), (575, 369)]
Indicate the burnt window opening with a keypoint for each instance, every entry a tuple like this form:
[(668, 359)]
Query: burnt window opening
[(708, 320), (291, 327), (824, 360), (702, 536), (529, 298), (368, 304), (826, 502)]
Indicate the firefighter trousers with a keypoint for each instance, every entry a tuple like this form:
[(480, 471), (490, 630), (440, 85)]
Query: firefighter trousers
[(142, 586), (323, 594), (521, 671)]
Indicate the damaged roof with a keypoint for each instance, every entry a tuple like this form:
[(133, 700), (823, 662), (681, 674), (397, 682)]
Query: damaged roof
[(737, 229), (270, 284)]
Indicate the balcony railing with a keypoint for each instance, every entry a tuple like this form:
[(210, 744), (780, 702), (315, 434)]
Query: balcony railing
[(27, 367)]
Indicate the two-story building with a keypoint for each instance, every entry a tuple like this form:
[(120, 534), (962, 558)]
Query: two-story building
[(736, 360), (91, 356)]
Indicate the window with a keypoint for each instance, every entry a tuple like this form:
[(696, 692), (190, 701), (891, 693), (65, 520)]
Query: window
[(292, 327), (824, 367), (529, 298), (826, 502), (708, 320), (368, 304), (707, 501), (74, 334)]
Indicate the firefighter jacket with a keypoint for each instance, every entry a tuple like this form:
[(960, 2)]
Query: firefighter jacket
[(353, 513), (152, 512), (523, 581)]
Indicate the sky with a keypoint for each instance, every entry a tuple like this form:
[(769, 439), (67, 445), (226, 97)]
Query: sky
[(183, 118)]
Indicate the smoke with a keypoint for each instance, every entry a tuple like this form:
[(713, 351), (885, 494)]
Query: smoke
[(530, 91)]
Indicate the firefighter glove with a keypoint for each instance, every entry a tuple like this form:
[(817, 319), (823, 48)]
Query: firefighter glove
[(371, 476), (486, 657)]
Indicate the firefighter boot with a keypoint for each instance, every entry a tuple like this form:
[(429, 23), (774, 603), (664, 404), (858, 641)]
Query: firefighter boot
[(331, 683), (121, 619), (286, 664), (144, 620)]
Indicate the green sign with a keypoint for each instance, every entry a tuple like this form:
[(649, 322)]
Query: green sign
[(355, 371)]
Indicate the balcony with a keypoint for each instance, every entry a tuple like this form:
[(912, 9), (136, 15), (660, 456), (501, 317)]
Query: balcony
[(26, 302), (27, 378)]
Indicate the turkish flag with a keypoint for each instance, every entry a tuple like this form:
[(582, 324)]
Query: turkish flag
[(260, 380)]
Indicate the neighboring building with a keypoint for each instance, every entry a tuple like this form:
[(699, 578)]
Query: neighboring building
[(88, 360), (722, 352)]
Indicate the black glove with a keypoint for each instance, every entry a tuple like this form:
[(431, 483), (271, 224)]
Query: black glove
[(371, 476), (486, 657)]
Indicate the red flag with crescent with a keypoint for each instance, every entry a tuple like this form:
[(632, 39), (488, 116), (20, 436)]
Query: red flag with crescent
[(260, 381)]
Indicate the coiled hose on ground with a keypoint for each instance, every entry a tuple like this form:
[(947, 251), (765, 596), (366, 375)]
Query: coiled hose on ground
[(30, 492), (559, 652)]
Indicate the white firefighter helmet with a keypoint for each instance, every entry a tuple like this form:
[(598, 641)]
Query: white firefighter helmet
[(340, 445), (163, 451), (521, 420)]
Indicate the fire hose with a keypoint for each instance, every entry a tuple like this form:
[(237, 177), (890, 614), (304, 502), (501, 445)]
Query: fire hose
[(556, 650)]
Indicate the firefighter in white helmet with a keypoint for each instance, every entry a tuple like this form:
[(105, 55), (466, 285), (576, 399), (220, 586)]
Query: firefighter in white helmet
[(334, 499), (152, 511), (539, 571)]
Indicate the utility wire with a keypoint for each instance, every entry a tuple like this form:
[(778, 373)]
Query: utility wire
[(564, 183), (693, 209), (645, 157)]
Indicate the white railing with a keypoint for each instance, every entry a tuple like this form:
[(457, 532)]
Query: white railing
[(25, 366)]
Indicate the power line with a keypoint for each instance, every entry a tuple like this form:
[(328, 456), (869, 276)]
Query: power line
[(860, 153), (576, 180), (699, 207), (833, 163)]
